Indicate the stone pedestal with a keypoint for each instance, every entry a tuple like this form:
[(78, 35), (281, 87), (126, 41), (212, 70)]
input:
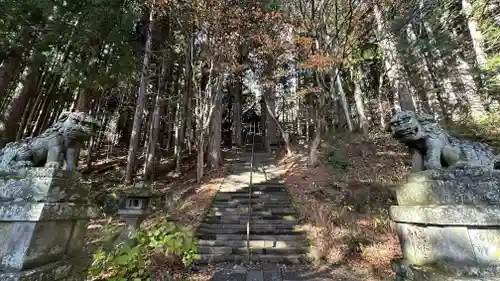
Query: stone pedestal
[(43, 222), (448, 223)]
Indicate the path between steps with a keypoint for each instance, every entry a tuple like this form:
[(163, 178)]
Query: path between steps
[(273, 222)]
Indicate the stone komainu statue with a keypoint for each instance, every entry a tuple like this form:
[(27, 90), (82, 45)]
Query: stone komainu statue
[(54, 147), (434, 148)]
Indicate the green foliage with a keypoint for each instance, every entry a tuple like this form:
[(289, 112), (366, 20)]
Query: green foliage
[(336, 161), (133, 262), (485, 130)]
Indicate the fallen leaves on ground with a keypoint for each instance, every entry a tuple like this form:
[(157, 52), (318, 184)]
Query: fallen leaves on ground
[(345, 210)]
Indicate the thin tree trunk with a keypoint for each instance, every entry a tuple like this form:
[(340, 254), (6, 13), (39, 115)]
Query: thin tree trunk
[(43, 115), (343, 101), (136, 128), (155, 128), (313, 150), (358, 97), (237, 130), (153, 140), (475, 34), (24, 119), (283, 132), (214, 155)]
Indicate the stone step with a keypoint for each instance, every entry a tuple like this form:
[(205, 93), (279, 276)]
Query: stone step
[(266, 188), (274, 197), (285, 259), (245, 208), (236, 204), (244, 251), (255, 193), (253, 217), (253, 230), (293, 236), (253, 221), (244, 211), (259, 227), (254, 243), (297, 236), (254, 214), (253, 200), (263, 224), (256, 203)]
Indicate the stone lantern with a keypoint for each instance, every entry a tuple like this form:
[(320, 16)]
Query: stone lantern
[(133, 209)]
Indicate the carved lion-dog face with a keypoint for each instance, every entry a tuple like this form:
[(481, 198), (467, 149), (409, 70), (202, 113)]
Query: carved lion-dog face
[(78, 125), (406, 127)]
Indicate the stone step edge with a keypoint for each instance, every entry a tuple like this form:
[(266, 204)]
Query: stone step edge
[(220, 250), (286, 259), (252, 224), (253, 237), (255, 243)]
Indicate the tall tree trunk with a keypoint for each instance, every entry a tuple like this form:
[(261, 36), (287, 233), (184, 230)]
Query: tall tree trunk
[(475, 34), (264, 120), (393, 64), (12, 65), (14, 113), (44, 114), (421, 77), (178, 126), (199, 158), (237, 130), (136, 128), (185, 116), (30, 121), (270, 97), (155, 126), (343, 101), (284, 134), (153, 140), (313, 150), (358, 98), (214, 153)]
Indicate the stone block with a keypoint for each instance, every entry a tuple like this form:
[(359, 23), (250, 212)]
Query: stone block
[(424, 245), (43, 220), (44, 184), (444, 192), (77, 239), (470, 173), (486, 244), (42, 211), (26, 242), (470, 215), (405, 271)]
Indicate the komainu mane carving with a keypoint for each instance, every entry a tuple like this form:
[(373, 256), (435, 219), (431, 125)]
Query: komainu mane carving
[(437, 148), (54, 147)]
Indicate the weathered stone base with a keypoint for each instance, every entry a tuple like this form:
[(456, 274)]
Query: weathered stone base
[(74, 270), (408, 272)]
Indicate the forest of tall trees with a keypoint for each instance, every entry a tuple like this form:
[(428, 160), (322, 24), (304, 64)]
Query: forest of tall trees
[(172, 78)]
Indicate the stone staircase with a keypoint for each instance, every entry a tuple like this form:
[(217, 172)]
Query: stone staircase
[(267, 212)]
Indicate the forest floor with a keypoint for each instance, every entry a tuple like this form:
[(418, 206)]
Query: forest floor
[(343, 202), (191, 200)]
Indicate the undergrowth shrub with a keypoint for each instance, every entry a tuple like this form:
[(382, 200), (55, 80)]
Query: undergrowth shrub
[(135, 261), (486, 130), (336, 161)]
